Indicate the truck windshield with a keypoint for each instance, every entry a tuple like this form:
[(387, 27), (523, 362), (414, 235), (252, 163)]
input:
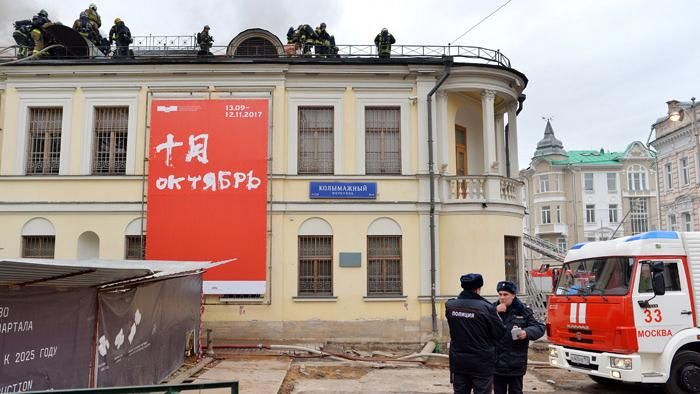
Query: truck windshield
[(598, 276)]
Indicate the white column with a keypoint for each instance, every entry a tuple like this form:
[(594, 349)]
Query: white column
[(500, 144), (513, 140), (443, 134), (489, 130), (423, 86)]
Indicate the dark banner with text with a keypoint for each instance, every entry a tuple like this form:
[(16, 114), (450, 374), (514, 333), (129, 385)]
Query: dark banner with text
[(207, 188), (45, 338)]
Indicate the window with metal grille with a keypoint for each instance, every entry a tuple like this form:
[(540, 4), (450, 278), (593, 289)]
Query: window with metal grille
[(256, 46), (111, 130), (315, 265), (315, 140), (38, 246), (384, 265), (639, 218), (44, 150), (135, 247), (510, 257), (383, 140)]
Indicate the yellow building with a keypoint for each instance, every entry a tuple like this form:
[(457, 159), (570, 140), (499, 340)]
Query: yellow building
[(73, 146)]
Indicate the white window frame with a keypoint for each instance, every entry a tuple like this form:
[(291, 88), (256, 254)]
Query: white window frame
[(668, 176), (561, 243), (106, 97), (318, 97), (590, 213), (43, 98), (672, 222), (687, 221), (382, 98), (543, 183), (614, 179), (613, 213), (684, 171), (546, 214), (585, 182), (558, 213), (637, 178), (556, 182)]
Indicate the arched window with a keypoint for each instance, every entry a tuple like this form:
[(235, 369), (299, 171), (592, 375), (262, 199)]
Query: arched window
[(637, 178), (256, 47), (134, 240), (384, 245), (88, 246), (38, 239), (315, 258)]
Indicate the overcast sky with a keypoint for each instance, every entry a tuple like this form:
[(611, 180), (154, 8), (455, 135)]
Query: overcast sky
[(602, 69)]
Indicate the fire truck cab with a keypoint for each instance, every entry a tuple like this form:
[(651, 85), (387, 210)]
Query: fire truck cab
[(627, 310)]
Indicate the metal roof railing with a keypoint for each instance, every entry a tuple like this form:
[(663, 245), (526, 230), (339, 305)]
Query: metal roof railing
[(145, 47)]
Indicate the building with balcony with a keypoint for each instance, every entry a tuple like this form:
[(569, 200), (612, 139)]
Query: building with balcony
[(588, 195), (677, 149), (74, 159)]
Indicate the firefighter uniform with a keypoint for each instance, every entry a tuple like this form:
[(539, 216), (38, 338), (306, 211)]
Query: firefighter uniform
[(383, 42)]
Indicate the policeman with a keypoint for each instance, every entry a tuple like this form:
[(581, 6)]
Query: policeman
[(383, 42), (474, 330), (205, 41), (511, 350), (39, 21), (120, 34)]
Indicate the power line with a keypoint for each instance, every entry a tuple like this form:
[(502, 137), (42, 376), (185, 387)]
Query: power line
[(478, 23)]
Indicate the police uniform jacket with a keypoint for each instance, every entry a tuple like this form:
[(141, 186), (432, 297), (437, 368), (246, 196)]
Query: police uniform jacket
[(474, 330), (511, 355)]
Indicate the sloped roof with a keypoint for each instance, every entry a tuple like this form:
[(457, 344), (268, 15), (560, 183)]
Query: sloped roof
[(591, 157), (549, 144), (92, 272)]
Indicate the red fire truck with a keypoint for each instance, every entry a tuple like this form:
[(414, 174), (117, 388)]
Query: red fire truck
[(625, 310)]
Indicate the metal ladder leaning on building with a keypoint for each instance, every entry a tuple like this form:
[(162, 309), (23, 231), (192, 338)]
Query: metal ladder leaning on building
[(537, 299)]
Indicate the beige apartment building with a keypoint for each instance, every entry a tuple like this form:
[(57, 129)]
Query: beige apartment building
[(74, 137), (588, 195), (676, 144)]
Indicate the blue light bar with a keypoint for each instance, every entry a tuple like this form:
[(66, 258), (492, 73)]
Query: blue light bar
[(654, 235)]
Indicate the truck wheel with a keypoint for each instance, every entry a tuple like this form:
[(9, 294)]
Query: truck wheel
[(605, 381), (685, 373)]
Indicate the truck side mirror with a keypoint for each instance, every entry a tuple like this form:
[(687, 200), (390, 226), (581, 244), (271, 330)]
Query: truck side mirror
[(556, 274), (543, 268), (658, 282)]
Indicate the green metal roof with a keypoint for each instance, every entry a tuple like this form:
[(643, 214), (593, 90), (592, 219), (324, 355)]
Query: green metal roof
[(591, 157)]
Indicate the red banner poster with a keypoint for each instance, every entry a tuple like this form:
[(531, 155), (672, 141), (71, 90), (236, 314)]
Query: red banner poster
[(207, 189)]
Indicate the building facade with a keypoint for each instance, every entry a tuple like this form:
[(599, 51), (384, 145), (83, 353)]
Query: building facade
[(74, 175), (677, 147), (589, 195)]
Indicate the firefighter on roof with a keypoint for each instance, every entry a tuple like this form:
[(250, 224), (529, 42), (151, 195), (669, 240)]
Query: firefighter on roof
[(383, 41), (205, 41)]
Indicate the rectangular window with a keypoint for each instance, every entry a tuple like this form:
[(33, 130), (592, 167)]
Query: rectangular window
[(556, 182), (612, 182), (637, 181), (558, 214), (546, 215), (561, 243), (38, 246), (383, 140), (111, 129), (612, 213), (510, 256), (135, 247), (668, 176), (588, 181), (672, 225), (590, 213), (384, 265), (315, 140), (315, 265), (544, 183), (44, 153), (687, 221), (685, 171), (639, 217), (671, 278)]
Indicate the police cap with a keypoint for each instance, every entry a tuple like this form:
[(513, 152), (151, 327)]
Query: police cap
[(508, 286), (471, 281)]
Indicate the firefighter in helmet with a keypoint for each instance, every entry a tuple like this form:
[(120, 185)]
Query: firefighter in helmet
[(383, 41)]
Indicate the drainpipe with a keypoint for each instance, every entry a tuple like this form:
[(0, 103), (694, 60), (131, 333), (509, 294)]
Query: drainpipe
[(431, 171), (521, 99)]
